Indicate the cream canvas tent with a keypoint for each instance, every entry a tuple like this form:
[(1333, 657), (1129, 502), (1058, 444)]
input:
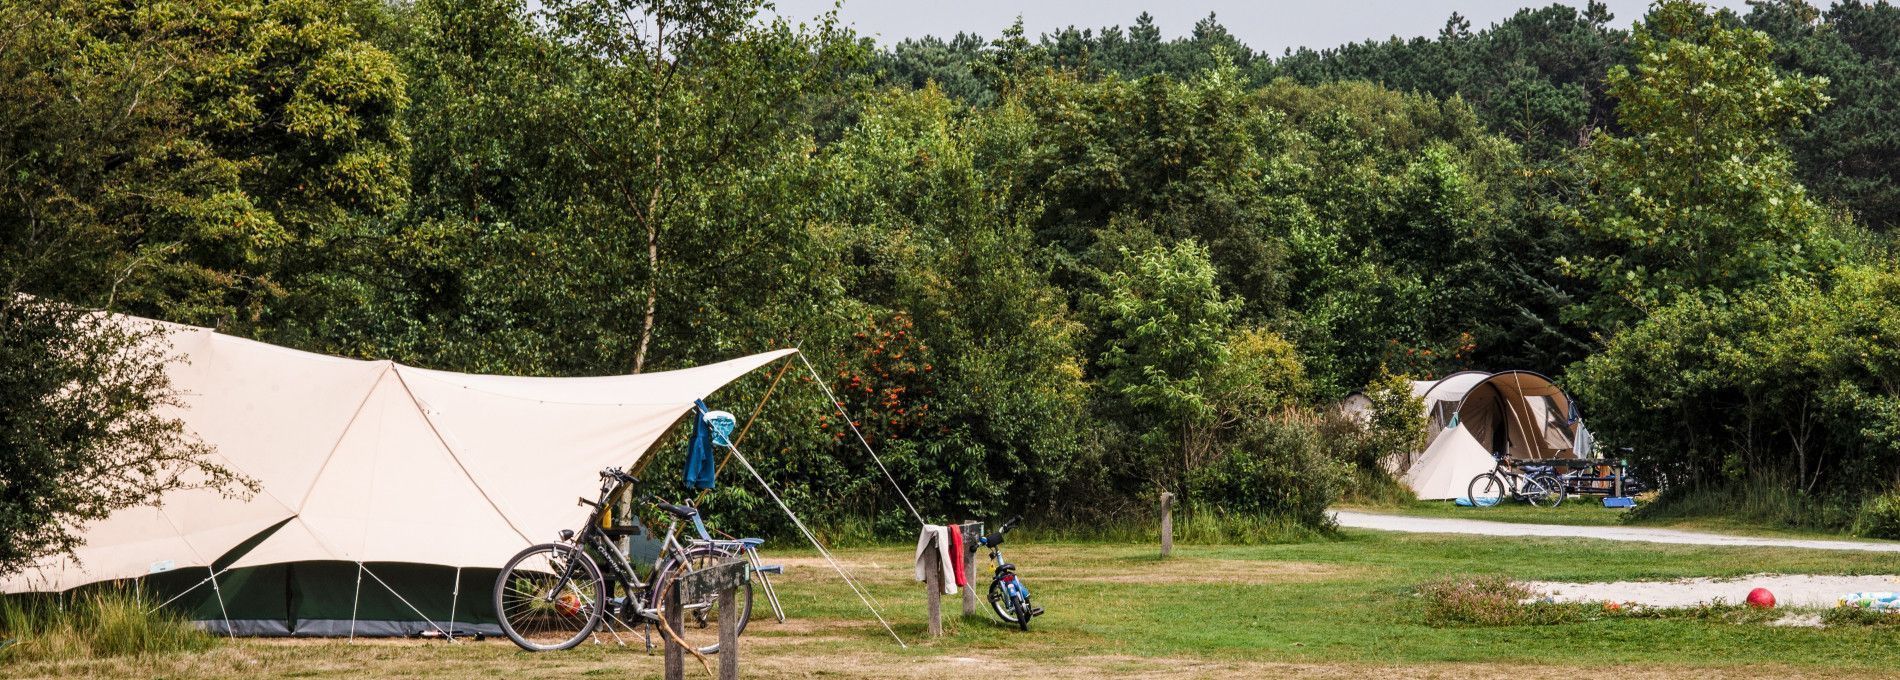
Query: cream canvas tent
[(1474, 416), (418, 483)]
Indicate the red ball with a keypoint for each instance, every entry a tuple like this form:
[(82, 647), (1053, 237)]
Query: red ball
[(1760, 598)]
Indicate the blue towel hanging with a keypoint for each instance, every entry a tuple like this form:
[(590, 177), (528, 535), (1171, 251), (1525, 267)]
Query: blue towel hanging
[(700, 466)]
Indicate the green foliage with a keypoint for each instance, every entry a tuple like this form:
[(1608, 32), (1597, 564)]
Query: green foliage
[(104, 622), (1847, 152), (1490, 601), (1377, 446), (1789, 382), (1047, 274), (1698, 194), (1879, 517), (1273, 468)]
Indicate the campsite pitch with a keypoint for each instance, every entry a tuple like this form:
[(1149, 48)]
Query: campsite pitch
[(1340, 608)]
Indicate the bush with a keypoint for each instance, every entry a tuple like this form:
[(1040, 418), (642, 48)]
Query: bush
[(1880, 516), (1762, 500), (101, 623), (1856, 616), (1274, 468), (1490, 601)]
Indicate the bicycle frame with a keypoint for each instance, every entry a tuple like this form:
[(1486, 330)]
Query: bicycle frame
[(621, 569)]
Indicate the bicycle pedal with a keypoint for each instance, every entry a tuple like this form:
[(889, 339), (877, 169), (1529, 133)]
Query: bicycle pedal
[(1035, 611)]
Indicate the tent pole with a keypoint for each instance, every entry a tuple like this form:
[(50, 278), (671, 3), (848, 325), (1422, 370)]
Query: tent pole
[(455, 595), (756, 409), (356, 600), (228, 630)]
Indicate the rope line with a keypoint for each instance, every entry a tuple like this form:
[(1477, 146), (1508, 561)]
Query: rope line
[(405, 602), (228, 631), (899, 488), (863, 596)]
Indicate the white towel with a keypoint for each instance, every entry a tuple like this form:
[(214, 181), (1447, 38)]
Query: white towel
[(940, 536)]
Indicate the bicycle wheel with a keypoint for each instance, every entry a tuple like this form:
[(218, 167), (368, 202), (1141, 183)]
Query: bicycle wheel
[(1546, 491), (1004, 605), (1486, 490), (699, 627), (549, 597)]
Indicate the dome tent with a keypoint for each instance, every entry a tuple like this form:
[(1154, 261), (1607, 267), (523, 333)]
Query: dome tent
[(1476, 416), (388, 494)]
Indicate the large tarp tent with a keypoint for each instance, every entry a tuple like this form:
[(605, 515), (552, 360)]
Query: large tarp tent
[(389, 494), (1475, 416)]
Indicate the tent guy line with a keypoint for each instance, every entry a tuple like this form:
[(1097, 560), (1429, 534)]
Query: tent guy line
[(848, 422)]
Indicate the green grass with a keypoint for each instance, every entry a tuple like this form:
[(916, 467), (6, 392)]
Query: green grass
[(102, 623), (1345, 606)]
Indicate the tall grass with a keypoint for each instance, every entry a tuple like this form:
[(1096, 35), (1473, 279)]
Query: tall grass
[(1760, 501), (105, 622)]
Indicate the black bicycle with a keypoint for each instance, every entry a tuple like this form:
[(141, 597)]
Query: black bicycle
[(554, 595), (1009, 598), (1534, 485)]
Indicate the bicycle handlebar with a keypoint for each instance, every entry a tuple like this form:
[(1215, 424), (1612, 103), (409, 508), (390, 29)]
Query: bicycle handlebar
[(1011, 524)]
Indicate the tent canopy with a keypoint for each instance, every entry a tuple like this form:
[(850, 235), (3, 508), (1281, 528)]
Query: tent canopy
[(375, 461), (1475, 415)]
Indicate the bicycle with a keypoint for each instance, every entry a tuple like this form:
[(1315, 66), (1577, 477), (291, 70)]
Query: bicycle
[(552, 596), (1541, 489), (1009, 598)]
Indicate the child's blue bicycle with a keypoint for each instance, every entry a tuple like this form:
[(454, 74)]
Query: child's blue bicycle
[(1009, 598)]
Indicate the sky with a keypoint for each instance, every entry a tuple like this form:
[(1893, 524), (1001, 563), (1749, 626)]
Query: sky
[(1270, 26)]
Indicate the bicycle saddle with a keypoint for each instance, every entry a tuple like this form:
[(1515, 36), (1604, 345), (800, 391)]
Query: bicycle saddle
[(680, 511)]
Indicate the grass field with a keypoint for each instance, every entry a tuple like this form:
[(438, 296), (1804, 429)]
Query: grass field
[(1341, 608)]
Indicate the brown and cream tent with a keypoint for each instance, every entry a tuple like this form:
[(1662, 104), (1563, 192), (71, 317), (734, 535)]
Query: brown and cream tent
[(380, 485), (1476, 416)]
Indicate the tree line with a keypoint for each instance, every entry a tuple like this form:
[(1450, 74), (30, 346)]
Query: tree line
[(1051, 275)]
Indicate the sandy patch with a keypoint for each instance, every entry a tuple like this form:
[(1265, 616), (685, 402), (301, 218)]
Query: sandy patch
[(1790, 590)]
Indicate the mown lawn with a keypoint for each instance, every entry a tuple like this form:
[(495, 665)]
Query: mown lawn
[(1340, 608)]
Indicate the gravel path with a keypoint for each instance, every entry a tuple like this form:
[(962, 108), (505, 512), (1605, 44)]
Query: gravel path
[(1437, 525), (1796, 590)]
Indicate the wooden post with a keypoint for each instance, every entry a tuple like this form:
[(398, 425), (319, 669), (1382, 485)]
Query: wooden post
[(933, 581), (1167, 523), (970, 531), (729, 634), (675, 621)]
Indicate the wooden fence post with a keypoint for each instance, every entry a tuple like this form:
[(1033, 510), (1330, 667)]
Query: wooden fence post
[(1167, 523), (675, 621), (728, 634), (721, 581), (933, 581)]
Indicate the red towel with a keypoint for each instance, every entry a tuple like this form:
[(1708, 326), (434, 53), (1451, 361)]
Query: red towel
[(956, 555)]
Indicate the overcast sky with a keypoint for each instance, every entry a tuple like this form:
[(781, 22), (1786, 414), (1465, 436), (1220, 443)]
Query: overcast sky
[(1267, 25)]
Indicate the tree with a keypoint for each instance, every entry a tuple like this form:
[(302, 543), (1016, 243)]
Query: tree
[(686, 117), (1166, 325), (85, 428), (1698, 195), (1849, 152)]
